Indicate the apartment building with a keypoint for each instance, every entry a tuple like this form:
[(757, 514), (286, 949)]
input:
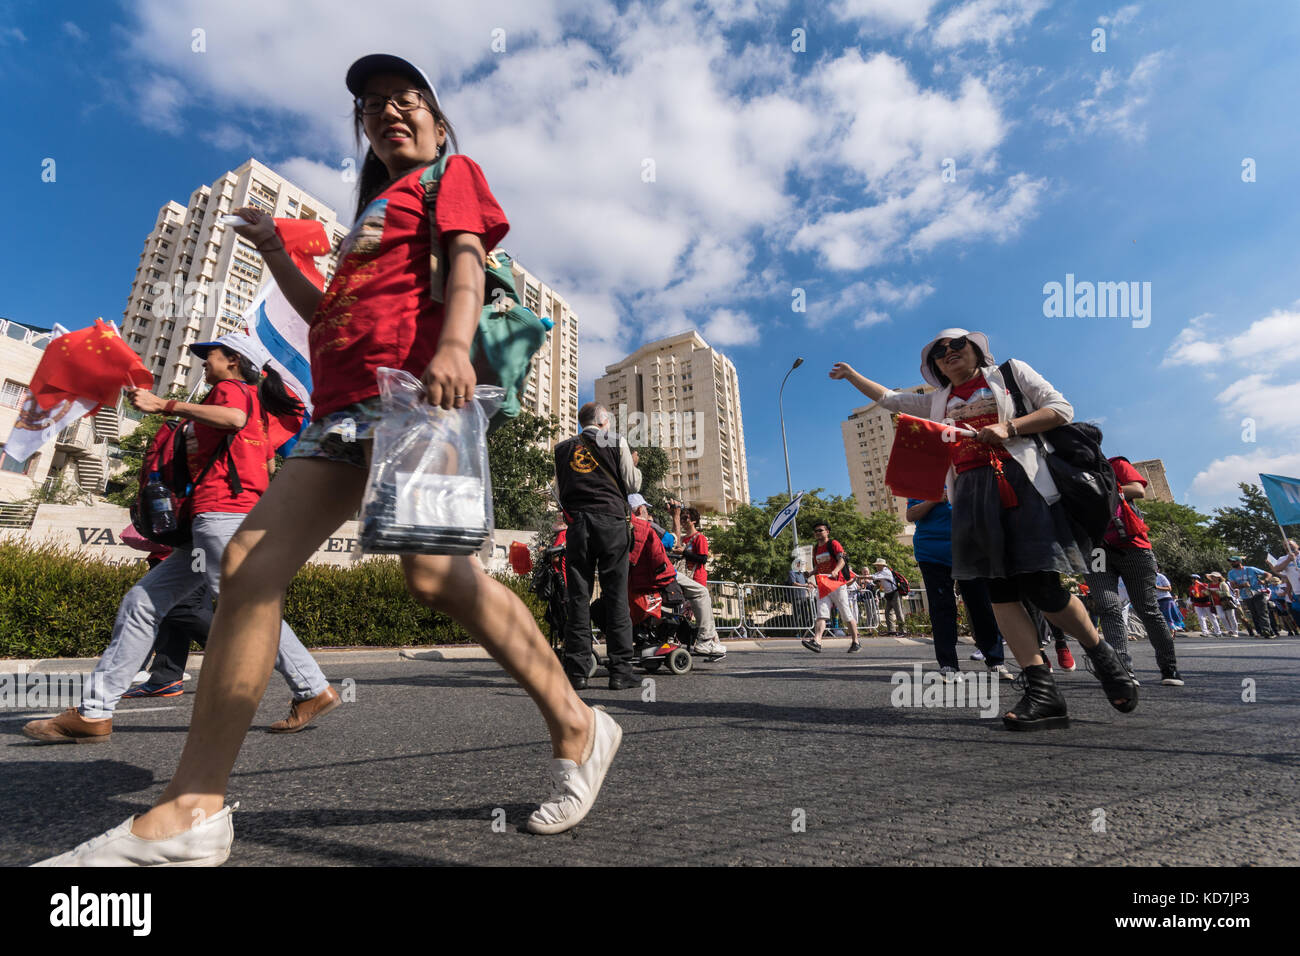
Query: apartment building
[(684, 396), (552, 386), (197, 277), (868, 437)]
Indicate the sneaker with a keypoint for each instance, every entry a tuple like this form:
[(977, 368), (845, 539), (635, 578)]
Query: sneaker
[(1065, 658), (1001, 671), (207, 844), (950, 675), (711, 648), (814, 646), (149, 689), (141, 677), (855, 647), (1171, 677), (69, 728), (978, 655), (574, 788)]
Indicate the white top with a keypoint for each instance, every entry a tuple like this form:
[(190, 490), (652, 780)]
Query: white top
[(885, 578), (1038, 393)]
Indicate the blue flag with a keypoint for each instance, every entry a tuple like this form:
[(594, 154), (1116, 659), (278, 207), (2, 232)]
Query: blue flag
[(1284, 496)]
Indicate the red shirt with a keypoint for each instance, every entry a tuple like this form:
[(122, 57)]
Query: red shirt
[(250, 449), (377, 310), (825, 559), (700, 545), (972, 405), (1126, 474)]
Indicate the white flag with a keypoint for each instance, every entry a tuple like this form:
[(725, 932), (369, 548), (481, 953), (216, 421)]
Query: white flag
[(36, 425)]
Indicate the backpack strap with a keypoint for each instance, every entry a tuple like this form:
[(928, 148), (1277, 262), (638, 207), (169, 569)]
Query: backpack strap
[(224, 450), (498, 275)]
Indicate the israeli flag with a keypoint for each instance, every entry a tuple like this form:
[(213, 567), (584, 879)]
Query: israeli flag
[(283, 333), (1284, 496), (785, 517)]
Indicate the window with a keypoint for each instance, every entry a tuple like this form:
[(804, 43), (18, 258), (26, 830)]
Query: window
[(13, 395), (13, 464)]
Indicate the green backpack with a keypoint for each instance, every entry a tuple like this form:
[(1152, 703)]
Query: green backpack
[(509, 333)]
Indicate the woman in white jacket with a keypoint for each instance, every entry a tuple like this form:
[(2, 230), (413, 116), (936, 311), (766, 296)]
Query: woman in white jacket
[(1008, 525)]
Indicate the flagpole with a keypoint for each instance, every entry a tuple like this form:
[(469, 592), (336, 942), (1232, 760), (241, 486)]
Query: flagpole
[(789, 489)]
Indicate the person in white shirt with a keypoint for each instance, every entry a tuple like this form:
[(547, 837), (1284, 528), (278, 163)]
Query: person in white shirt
[(892, 599)]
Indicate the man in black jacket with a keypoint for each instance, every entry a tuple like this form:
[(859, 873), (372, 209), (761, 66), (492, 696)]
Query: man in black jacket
[(595, 471)]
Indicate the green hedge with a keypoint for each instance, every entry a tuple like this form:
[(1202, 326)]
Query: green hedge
[(57, 603)]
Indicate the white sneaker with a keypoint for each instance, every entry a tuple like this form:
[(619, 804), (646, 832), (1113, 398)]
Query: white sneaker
[(1002, 672), (141, 677), (950, 675), (978, 655), (711, 648), (207, 844), (576, 787)]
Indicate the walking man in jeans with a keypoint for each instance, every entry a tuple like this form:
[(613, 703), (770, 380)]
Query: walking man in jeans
[(595, 471)]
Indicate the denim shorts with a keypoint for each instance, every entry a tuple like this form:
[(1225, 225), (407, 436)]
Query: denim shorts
[(343, 436)]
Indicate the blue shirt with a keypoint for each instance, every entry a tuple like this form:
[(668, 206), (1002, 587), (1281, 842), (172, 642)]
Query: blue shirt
[(932, 541), (1247, 577)]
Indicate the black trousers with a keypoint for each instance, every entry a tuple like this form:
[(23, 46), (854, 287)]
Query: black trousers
[(187, 622), (597, 543), (943, 615)]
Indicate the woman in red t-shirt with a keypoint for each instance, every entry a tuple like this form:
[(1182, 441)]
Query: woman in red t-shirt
[(401, 297), (1008, 524)]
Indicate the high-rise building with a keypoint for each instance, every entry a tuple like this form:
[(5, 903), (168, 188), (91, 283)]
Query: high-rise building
[(197, 277), (1153, 470), (552, 386), (682, 395), (868, 437)]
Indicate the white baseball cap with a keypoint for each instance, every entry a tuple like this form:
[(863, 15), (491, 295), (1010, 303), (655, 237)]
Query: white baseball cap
[(247, 346), (979, 338), (637, 501)]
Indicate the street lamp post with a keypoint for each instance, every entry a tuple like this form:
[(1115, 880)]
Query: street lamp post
[(794, 522)]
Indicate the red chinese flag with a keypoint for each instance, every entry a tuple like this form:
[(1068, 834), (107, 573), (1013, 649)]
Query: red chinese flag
[(826, 584), (92, 364), (304, 240), (919, 460)]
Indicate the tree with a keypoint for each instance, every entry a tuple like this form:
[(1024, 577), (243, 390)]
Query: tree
[(746, 553), (653, 465), (522, 460), (1250, 529)]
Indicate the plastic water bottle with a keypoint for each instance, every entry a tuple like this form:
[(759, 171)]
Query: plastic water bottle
[(158, 501)]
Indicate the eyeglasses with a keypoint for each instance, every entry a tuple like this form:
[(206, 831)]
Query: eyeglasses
[(954, 345), (404, 100)]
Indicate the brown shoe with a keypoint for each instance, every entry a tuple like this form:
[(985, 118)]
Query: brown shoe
[(69, 728), (303, 712)]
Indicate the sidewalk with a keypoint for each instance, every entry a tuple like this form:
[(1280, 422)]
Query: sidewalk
[(384, 655)]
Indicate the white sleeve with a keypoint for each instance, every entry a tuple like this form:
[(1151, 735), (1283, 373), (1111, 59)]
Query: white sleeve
[(630, 473), (1039, 392), (909, 403)]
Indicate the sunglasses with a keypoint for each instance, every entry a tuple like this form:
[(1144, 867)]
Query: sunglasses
[(954, 345)]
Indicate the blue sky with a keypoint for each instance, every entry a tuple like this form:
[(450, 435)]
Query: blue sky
[(774, 170)]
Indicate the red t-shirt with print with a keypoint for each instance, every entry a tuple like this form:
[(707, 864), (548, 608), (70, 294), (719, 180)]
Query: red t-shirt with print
[(377, 310), (972, 405), (250, 449)]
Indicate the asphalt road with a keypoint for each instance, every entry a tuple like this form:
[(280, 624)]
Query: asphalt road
[(720, 768)]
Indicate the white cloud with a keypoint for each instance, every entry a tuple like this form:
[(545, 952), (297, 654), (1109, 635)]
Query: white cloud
[(159, 100), (324, 182), (869, 318), (1270, 342), (1115, 104), (1270, 405), (729, 327), (12, 33), (985, 21), (74, 31), (1120, 17), (910, 14), (1216, 485)]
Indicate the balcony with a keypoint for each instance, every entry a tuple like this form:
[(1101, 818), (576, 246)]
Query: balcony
[(78, 438)]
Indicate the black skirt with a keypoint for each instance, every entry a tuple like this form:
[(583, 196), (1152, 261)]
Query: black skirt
[(990, 541)]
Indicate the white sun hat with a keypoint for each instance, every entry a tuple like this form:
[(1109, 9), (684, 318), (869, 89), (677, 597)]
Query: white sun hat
[(979, 338)]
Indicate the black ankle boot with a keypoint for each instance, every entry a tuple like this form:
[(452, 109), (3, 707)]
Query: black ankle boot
[(1119, 685), (1042, 707)]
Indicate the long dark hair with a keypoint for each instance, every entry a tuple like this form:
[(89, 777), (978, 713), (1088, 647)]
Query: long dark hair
[(271, 392), (980, 361), (374, 174)]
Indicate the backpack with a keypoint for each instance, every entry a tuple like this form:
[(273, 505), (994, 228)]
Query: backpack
[(1126, 524), (1083, 476), (166, 463), (901, 582), (509, 334)]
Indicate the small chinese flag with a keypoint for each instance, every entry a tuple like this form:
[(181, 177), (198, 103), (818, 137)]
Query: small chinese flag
[(920, 458), (93, 364), (826, 584), (304, 240)]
